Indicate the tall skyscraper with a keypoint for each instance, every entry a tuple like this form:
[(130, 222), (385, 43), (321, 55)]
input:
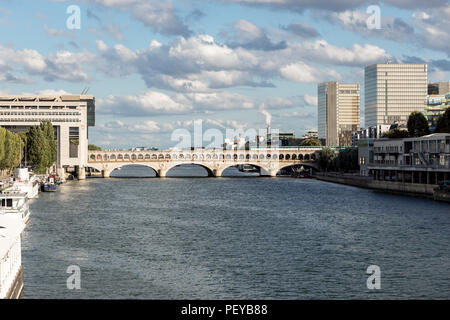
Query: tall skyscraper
[(393, 91), (338, 112)]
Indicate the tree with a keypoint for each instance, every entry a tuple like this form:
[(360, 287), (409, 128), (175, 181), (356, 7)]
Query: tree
[(93, 147), (311, 142), (443, 123), (51, 148), (325, 158), (13, 148), (37, 149), (417, 124), (2, 142), (347, 160), (395, 134)]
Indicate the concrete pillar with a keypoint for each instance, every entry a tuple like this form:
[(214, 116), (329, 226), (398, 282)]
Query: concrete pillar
[(217, 172), (60, 172), (106, 173), (428, 177), (403, 176), (268, 172), (162, 173), (81, 173), (412, 176)]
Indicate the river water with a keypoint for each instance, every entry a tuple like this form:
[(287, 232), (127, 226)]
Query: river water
[(233, 238)]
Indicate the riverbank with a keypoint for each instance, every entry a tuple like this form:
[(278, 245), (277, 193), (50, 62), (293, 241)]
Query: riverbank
[(410, 189)]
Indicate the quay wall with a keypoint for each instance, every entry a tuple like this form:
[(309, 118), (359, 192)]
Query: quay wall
[(418, 189)]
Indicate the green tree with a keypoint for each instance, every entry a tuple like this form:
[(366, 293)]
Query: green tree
[(51, 147), (311, 142), (395, 134), (325, 159), (93, 147), (347, 160), (37, 149), (417, 124), (2, 142), (12, 151), (443, 123)]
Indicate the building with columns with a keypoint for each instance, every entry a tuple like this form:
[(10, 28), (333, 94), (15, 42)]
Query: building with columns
[(70, 115)]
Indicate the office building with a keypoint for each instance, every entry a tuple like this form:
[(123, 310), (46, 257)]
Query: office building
[(338, 112), (435, 106), (439, 88), (70, 115), (374, 132), (421, 160), (393, 91)]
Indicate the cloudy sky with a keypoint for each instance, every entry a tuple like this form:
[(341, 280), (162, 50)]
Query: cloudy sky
[(155, 66)]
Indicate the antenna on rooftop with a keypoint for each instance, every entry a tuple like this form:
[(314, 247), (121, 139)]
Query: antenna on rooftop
[(85, 90)]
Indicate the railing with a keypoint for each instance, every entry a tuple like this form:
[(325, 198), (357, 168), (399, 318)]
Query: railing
[(419, 166)]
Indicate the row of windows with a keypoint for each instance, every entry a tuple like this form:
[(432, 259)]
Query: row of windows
[(100, 157), (38, 120), (39, 113), (37, 107)]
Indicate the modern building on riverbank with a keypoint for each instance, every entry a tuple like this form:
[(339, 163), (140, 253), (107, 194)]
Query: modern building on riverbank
[(435, 106), (393, 91), (71, 115), (373, 132), (338, 112), (422, 160), (437, 88)]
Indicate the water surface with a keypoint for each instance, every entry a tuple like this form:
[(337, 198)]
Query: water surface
[(233, 238)]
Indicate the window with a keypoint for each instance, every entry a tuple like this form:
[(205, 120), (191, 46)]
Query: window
[(9, 202), (74, 141)]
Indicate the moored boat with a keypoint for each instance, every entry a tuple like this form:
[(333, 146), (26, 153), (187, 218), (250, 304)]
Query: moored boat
[(26, 182), (15, 201), (11, 269), (442, 192), (49, 185)]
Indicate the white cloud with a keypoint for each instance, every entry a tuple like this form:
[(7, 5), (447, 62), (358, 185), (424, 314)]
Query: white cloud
[(310, 100), (146, 103), (301, 72)]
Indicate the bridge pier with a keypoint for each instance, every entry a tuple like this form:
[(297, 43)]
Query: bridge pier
[(216, 173), (81, 173), (268, 172), (106, 173), (161, 173)]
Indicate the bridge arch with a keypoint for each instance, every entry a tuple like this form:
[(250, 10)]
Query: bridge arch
[(209, 170)]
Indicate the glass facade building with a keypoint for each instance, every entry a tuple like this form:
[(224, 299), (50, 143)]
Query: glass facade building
[(435, 106), (393, 91), (338, 112)]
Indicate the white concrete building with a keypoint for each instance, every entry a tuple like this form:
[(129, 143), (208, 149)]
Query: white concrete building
[(338, 112), (393, 91), (71, 115)]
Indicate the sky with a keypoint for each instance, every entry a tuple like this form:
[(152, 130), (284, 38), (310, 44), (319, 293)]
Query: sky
[(158, 66)]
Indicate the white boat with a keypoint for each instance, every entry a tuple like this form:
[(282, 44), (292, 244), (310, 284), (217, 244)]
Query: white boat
[(26, 182), (15, 201), (11, 269)]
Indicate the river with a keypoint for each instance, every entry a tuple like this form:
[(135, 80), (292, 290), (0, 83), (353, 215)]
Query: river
[(233, 237)]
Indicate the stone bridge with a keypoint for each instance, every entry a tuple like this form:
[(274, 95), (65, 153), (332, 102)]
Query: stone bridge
[(215, 161)]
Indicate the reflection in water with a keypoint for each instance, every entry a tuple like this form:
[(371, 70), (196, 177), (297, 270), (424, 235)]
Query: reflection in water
[(234, 237)]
